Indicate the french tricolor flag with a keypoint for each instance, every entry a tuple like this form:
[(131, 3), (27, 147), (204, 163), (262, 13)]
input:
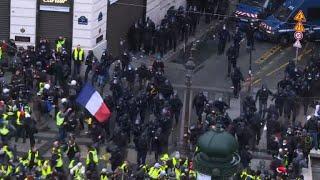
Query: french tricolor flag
[(93, 102)]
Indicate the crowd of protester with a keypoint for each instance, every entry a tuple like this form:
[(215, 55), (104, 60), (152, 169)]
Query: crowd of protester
[(40, 85), (176, 27)]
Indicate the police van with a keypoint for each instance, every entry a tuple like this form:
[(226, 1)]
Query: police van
[(279, 27), (251, 11)]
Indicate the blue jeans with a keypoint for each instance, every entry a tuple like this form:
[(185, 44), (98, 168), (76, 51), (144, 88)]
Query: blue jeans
[(62, 134), (314, 136)]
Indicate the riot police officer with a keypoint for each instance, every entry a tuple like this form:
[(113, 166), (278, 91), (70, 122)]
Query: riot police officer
[(223, 36), (236, 78), (199, 102), (232, 58), (263, 95)]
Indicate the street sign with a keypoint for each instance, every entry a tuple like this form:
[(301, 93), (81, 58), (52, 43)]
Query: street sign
[(299, 27), (298, 35), (297, 44), (300, 17)]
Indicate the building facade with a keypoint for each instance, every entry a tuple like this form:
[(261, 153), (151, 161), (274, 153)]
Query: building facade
[(157, 9), (4, 19), (90, 23), (122, 14), (81, 22)]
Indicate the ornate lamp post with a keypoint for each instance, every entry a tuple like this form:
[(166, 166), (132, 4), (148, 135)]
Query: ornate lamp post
[(190, 66), (217, 157)]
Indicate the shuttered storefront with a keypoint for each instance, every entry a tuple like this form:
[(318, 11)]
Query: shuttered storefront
[(4, 19), (121, 15), (54, 21)]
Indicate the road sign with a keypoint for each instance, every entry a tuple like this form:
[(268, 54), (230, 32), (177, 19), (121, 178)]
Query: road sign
[(299, 27), (298, 35), (297, 44), (300, 17)]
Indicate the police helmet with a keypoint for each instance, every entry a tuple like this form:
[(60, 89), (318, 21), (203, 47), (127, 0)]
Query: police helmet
[(73, 83), (47, 86), (5, 90)]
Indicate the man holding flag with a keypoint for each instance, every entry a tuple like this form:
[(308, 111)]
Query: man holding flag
[(93, 102)]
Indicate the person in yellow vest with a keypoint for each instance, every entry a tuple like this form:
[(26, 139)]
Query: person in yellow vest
[(41, 87), (4, 132), (78, 171), (60, 43), (33, 157), (78, 58), (60, 122), (104, 174), (7, 152), (57, 159), (19, 125), (124, 169), (6, 171), (176, 159), (46, 170), (154, 172), (192, 174), (92, 159), (165, 157)]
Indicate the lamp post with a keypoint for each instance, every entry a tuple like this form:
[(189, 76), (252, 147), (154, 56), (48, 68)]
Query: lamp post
[(250, 68), (217, 157), (190, 66)]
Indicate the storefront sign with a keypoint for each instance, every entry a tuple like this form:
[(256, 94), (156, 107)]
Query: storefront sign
[(99, 39), (82, 20), (21, 39), (100, 17), (55, 5)]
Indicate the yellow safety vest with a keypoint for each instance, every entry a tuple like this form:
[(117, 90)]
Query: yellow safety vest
[(7, 152), (124, 167), (178, 173), (41, 87), (94, 155), (18, 118), (59, 161), (59, 45), (46, 169), (164, 167), (154, 173), (0, 53), (103, 177), (71, 164), (77, 175), (24, 162), (36, 156), (5, 116), (59, 120), (192, 173), (175, 161), (4, 130), (17, 170), (78, 54), (165, 157), (243, 175), (7, 171)]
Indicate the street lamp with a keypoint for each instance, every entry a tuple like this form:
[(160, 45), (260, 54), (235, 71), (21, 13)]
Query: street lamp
[(190, 66), (217, 157)]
